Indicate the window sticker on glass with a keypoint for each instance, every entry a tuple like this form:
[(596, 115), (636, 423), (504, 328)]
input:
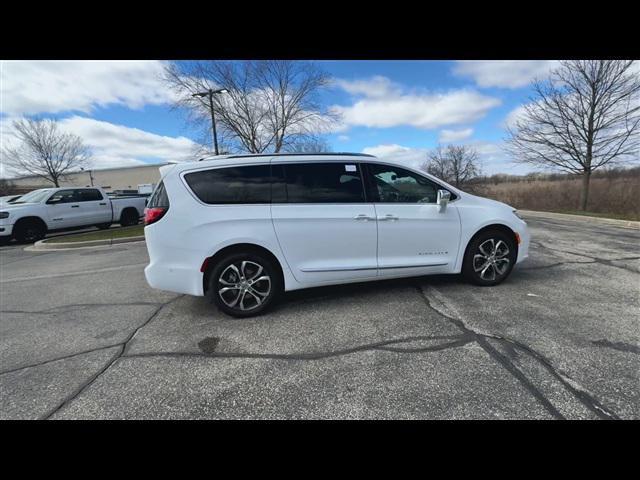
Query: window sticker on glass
[(350, 168)]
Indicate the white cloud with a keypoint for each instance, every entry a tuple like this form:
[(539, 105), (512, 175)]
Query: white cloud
[(504, 73), (449, 136), (116, 145), (32, 87), (376, 86), (492, 157), (343, 138), (513, 116), (385, 150), (384, 104)]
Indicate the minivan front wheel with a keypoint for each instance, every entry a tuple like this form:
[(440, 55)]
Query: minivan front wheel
[(244, 285), (489, 258)]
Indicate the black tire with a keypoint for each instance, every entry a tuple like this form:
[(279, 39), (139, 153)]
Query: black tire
[(29, 231), (246, 301), (129, 217), (103, 226), (486, 261)]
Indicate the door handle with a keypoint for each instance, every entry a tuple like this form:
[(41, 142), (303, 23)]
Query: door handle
[(388, 217), (102, 204), (75, 206), (364, 217)]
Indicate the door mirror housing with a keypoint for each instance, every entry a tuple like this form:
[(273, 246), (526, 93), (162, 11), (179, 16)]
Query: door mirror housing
[(443, 199)]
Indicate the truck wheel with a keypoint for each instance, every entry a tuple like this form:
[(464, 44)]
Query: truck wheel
[(29, 231), (129, 217), (103, 226)]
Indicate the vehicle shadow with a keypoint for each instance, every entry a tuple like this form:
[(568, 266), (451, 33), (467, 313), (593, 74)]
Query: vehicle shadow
[(371, 287)]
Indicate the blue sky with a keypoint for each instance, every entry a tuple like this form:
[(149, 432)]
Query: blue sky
[(396, 109)]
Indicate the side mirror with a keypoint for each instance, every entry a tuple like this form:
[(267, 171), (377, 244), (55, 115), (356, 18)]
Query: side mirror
[(54, 200), (443, 200)]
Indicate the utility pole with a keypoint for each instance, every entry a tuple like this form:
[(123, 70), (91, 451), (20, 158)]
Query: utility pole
[(210, 93)]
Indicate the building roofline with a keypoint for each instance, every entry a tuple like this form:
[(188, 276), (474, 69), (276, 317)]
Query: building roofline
[(130, 167)]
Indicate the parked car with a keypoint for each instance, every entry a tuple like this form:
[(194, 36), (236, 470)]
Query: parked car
[(241, 229), (29, 218)]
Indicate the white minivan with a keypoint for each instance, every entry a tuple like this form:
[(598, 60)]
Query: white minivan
[(240, 229)]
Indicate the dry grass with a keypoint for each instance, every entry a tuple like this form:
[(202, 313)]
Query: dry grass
[(617, 196)]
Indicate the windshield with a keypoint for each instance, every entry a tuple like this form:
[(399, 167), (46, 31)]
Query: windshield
[(36, 196)]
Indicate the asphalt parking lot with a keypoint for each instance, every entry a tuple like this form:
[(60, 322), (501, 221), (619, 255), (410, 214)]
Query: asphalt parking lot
[(84, 337)]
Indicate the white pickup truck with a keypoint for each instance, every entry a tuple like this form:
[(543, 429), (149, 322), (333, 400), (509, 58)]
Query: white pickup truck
[(33, 215)]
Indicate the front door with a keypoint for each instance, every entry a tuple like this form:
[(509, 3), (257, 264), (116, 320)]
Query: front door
[(414, 236), (63, 210), (325, 228)]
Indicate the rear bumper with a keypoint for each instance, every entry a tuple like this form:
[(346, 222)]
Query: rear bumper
[(172, 267), (174, 279)]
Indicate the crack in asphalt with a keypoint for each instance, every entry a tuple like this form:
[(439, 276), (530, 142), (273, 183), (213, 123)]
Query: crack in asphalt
[(79, 306), (116, 356), (460, 340), (590, 229), (602, 261), (621, 346), (65, 357), (580, 393)]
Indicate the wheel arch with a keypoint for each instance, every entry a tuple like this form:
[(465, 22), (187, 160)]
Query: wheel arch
[(490, 227), (126, 210), (32, 218), (210, 262)]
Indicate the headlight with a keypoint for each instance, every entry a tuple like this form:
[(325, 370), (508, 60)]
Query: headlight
[(515, 212), (4, 214)]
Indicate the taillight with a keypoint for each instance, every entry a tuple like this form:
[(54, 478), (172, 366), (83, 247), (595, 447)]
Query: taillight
[(152, 215)]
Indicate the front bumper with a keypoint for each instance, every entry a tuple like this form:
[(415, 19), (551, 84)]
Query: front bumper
[(525, 239), (6, 230)]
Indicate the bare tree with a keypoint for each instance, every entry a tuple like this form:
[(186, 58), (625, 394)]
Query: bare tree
[(586, 116), (270, 104), (308, 145), (455, 164), (43, 150)]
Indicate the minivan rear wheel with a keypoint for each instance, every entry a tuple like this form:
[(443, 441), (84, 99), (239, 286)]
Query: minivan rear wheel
[(244, 284), (490, 258)]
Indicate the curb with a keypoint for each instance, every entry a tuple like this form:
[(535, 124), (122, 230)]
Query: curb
[(611, 221), (43, 245)]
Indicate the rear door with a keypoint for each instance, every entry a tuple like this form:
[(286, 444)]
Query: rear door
[(94, 208), (325, 227), (415, 236)]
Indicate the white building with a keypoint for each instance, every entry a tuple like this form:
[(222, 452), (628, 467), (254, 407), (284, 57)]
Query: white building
[(122, 178)]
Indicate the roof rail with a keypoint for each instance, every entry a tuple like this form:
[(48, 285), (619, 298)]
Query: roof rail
[(245, 155)]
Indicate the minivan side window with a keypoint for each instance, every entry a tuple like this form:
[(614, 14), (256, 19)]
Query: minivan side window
[(88, 195), (323, 183), (232, 185), (390, 184)]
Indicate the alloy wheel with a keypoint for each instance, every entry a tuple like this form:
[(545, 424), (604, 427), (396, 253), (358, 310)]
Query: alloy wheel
[(244, 285), (492, 260)]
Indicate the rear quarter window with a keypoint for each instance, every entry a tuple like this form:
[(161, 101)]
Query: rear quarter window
[(232, 185), (159, 198)]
